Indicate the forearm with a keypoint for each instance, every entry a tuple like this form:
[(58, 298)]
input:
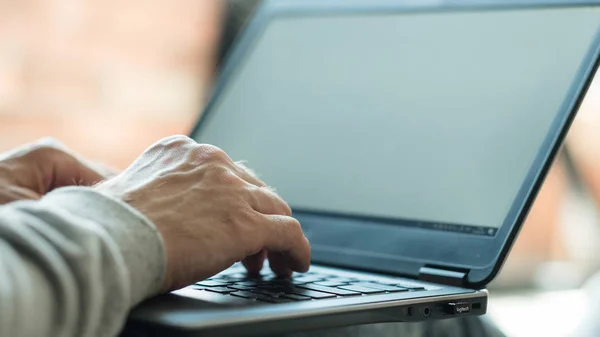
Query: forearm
[(73, 264)]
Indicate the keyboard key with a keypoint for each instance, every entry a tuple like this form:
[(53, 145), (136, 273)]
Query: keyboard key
[(410, 286), (296, 297), (267, 292), (251, 283), (240, 287), (310, 293), (211, 283), (273, 299), (308, 279), (331, 283), (416, 288), (363, 290), (264, 298), (277, 283), (343, 279), (300, 291), (380, 286), (330, 290), (245, 294), (273, 285), (221, 290)]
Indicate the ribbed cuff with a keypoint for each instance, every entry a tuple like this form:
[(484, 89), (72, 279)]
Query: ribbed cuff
[(138, 240)]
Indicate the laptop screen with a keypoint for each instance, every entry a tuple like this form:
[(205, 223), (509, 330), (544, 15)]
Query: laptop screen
[(423, 118)]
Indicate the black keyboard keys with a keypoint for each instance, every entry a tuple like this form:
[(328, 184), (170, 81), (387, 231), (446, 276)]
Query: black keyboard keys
[(337, 291), (306, 292), (296, 297), (212, 283), (270, 288), (245, 294), (363, 290), (308, 279), (331, 283), (343, 279), (240, 287), (221, 290), (252, 283), (391, 289), (271, 292)]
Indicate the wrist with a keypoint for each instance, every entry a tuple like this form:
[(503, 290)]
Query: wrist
[(139, 243)]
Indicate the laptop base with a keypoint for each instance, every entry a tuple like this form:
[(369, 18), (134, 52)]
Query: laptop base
[(193, 311)]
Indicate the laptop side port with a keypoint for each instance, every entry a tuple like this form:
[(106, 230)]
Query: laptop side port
[(457, 308)]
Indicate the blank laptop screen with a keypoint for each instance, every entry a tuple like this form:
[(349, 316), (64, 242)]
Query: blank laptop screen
[(422, 116)]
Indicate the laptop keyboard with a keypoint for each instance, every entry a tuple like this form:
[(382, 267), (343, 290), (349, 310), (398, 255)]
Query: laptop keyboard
[(301, 287)]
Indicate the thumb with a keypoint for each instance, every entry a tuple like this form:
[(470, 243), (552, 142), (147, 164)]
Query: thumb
[(48, 164), (66, 169)]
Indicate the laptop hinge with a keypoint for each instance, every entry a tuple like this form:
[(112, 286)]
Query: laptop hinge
[(443, 276)]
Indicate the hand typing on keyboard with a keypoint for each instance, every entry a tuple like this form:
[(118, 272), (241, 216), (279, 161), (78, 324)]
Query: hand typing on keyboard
[(210, 212), (266, 287)]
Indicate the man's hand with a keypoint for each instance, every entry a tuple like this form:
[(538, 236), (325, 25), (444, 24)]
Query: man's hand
[(210, 211), (32, 170)]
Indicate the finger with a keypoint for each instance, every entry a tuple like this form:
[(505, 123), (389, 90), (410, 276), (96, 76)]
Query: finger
[(278, 264), (70, 170), (88, 171), (10, 193), (254, 263), (283, 234), (49, 164), (265, 201)]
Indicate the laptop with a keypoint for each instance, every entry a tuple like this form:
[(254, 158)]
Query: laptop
[(410, 141)]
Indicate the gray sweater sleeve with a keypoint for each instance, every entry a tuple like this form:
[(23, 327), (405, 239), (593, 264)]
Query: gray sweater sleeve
[(74, 263)]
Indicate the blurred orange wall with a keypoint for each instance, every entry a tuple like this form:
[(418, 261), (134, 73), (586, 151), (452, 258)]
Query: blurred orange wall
[(105, 77)]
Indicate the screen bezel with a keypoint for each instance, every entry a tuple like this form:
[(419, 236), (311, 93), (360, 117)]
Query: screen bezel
[(481, 257)]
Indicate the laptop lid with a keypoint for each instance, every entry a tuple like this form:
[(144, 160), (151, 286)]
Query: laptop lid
[(408, 139)]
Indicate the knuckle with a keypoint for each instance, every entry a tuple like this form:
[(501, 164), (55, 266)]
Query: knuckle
[(294, 226), (175, 142), (254, 246), (46, 148), (177, 139), (165, 146), (242, 228), (227, 177), (231, 223), (282, 207), (50, 142), (245, 217), (212, 153), (224, 176), (237, 211)]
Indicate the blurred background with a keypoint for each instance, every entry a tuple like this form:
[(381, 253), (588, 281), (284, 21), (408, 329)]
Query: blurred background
[(109, 77), (105, 77)]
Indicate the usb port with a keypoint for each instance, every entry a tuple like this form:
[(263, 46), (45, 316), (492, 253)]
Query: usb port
[(457, 308)]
